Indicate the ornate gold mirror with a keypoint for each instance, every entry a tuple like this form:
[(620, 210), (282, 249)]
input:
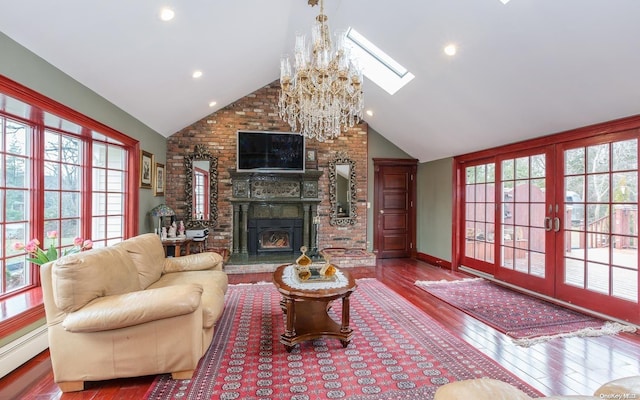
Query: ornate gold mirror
[(342, 190), (201, 188)]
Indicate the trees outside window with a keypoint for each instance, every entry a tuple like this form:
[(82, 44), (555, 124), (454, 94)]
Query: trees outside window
[(66, 174)]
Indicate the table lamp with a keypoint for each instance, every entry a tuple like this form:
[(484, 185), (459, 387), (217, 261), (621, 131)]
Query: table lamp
[(160, 211)]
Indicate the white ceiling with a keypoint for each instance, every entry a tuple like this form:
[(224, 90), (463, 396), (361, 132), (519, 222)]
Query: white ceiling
[(525, 69)]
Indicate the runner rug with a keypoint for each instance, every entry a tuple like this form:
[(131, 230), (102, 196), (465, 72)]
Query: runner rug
[(398, 352), (525, 319)]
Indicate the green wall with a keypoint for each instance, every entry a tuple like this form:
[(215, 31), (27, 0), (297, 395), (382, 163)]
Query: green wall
[(434, 198), (379, 147), (435, 208), (21, 65)]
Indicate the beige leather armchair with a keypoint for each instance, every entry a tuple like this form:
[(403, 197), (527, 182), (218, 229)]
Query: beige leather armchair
[(126, 310)]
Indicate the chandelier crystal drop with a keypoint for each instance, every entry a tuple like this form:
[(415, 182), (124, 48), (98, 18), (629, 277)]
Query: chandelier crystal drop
[(322, 94)]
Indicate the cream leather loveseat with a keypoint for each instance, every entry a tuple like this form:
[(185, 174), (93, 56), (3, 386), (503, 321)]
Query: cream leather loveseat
[(126, 310)]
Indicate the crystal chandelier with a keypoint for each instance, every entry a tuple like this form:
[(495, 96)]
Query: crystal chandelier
[(322, 94)]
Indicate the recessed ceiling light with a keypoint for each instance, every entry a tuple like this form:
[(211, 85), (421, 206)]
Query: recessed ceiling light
[(167, 14), (504, 1), (369, 113), (196, 74), (213, 103), (450, 50)]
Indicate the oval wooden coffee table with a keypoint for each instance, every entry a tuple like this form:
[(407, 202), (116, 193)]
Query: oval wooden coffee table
[(307, 311)]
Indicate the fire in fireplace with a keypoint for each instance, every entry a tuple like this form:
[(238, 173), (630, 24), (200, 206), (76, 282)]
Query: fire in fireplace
[(274, 239), (274, 235)]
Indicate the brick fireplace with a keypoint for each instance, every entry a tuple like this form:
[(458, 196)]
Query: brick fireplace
[(218, 133), (273, 213)]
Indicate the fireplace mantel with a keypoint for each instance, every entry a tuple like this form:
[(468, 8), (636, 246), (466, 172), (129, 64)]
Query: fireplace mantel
[(274, 195)]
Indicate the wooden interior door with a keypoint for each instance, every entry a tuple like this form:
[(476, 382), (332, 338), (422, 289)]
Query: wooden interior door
[(394, 207)]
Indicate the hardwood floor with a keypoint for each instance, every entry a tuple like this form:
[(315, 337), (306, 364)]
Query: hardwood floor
[(562, 366)]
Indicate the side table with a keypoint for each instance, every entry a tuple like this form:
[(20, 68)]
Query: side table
[(306, 311), (177, 244)]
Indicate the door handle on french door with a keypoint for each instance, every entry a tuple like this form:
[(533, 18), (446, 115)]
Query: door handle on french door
[(556, 224), (547, 224)]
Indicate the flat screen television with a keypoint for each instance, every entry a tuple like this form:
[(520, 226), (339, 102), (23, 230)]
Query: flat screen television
[(270, 151)]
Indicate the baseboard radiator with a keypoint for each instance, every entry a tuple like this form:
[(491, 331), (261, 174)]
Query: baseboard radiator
[(21, 350)]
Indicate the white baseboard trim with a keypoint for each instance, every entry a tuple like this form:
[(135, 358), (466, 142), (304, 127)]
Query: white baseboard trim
[(21, 350)]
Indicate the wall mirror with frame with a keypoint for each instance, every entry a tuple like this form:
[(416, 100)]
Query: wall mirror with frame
[(201, 188), (342, 190)]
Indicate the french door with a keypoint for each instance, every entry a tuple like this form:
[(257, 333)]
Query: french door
[(560, 220), (527, 215), (597, 261), (508, 218)]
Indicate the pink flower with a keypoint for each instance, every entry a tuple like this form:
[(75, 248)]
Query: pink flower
[(41, 256), (32, 246)]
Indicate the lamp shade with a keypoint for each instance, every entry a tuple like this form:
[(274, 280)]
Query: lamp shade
[(162, 210)]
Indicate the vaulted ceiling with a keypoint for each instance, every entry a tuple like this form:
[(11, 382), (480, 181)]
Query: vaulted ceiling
[(523, 69)]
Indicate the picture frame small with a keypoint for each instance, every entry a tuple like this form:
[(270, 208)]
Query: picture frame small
[(158, 180), (311, 159), (146, 169)]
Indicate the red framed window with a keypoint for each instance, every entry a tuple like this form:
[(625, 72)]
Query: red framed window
[(15, 202), (59, 171)]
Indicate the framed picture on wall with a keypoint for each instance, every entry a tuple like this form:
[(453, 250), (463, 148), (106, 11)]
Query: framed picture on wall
[(311, 159), (146, 169), (158, 180)]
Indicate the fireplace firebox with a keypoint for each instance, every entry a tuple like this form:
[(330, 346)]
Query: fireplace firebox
[(274, 235)]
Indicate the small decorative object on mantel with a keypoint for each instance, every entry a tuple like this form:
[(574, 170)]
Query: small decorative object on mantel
[(311, 159)]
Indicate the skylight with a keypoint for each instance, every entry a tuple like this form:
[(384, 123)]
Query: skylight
[(376, 65)]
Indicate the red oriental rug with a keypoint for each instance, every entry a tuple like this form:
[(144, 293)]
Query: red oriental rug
[(398, 352), (526, 319)]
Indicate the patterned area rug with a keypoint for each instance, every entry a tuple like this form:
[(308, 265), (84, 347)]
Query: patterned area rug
[(398, 352), (525, 319)]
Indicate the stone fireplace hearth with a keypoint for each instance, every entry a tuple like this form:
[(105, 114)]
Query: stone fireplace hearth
[(273, 213)]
